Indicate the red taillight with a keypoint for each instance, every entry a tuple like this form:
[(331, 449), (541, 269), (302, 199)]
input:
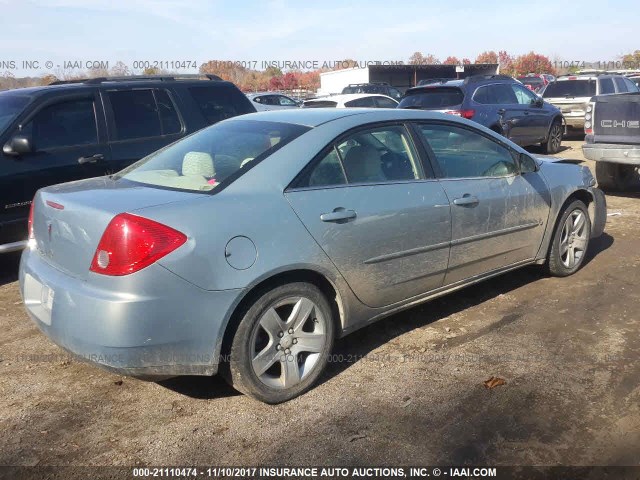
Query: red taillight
[(30, 221), (468, 114), (588, 131), (131, 243)]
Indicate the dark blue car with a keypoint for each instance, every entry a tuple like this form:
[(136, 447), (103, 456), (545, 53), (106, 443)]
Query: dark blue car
[(498, 102)]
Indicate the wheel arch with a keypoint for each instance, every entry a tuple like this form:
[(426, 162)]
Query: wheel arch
[(585, 197), (272, 280)]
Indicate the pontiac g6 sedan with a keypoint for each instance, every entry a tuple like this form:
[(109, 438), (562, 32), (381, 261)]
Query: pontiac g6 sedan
[(248, 247)]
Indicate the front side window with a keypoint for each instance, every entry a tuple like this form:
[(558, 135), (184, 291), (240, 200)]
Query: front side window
[(524, 96), (286, 101), (462, 153), (10, 107), (503, 94), (384, 102), (382, 154), (360, 102), (209, 158), (620, 85), (64, 124)]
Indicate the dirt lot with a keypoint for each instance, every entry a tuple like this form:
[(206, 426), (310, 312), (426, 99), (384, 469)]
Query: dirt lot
[(408, 390)]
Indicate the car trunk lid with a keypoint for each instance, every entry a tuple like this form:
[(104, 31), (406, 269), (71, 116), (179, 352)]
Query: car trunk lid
[(69, 219)]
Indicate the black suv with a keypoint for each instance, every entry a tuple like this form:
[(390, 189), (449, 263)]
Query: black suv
[(381, 88), (88, 128), (498, 102)]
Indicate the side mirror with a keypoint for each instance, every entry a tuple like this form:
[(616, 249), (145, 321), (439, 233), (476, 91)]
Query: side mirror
[(18, 145), (527, 164), (538, 102)]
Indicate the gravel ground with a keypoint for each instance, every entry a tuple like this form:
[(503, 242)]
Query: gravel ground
[(407, 390)]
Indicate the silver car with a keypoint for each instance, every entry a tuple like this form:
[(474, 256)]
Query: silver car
[(247, 248)]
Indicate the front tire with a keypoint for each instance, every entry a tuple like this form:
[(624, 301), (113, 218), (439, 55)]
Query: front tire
[(282, 343), (554, 139), (570, 240)]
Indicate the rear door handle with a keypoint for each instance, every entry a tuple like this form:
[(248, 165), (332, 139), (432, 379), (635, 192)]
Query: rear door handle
[(338, 215), (466, 200), (501, 111), (91, 159)]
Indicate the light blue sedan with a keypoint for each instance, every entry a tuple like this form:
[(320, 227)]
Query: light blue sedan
[(249, 247)]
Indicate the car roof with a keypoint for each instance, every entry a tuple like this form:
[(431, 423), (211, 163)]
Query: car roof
[(313, 117), (255, 94), (117, 83)]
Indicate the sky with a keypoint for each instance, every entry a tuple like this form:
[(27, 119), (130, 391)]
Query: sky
[(51, 32)]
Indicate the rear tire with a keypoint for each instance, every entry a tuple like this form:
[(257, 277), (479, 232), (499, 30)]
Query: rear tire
[(282, 343), (554, 139), (570, 240), (617, 176)]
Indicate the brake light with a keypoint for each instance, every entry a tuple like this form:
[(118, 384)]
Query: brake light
[(468, 114), (131, 243), (30, 221)]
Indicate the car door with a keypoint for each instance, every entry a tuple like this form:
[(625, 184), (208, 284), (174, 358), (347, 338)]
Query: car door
[(382, 220), (140, 121), (514, 115), (537, 119), (67, 142), (498, 214)]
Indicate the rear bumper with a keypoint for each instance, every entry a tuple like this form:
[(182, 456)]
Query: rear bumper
[(599, 213), (614, 153), (574, 122), (157, 325)]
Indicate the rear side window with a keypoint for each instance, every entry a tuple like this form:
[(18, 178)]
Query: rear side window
[(606, 86), (435, 98), (143, 114), (219, 103), (571, 88), (63, 124)]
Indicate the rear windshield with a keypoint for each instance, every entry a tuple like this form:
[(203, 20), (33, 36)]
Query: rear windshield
[(10, 106), (435, 98), (319, 104), (221, 102), (571, 88), (213, 157)]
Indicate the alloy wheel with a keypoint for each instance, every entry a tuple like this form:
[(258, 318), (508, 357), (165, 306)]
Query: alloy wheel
[(287, 342), (573, 240)]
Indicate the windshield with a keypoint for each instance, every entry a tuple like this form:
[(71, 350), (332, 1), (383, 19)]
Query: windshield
[(10, 106), (213, 156), (531, 81), (435, 98), (571, 88)]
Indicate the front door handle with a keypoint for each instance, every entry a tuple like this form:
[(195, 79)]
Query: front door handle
[(91, 159), (501, 111), (338, 215), (466, 201)]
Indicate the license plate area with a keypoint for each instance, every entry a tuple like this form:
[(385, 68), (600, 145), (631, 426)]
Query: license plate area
[(38, 298)]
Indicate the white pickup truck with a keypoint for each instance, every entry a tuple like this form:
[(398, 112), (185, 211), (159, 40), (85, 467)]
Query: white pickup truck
[(612, 127)]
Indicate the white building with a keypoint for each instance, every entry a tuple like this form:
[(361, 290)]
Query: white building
[(399, 76)]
